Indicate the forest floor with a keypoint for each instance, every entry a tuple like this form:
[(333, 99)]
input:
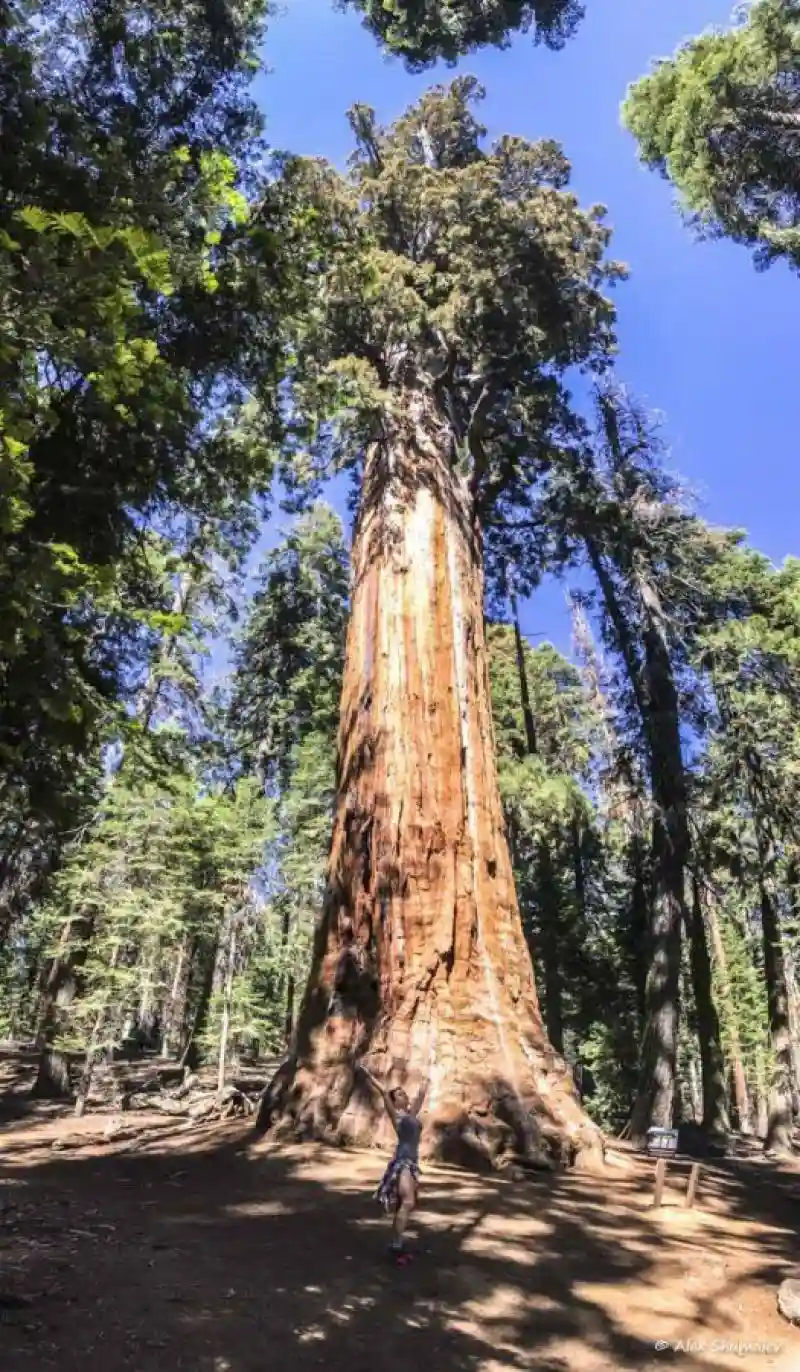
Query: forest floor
[(197, 1248)]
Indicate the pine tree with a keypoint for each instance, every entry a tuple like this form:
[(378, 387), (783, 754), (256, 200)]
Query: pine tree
[(721, 120), (284, 714)]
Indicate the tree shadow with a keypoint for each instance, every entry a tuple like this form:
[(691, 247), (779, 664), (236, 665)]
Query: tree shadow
[(199, 1252)]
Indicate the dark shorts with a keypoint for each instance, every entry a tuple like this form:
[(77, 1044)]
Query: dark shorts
[(388, 1191)]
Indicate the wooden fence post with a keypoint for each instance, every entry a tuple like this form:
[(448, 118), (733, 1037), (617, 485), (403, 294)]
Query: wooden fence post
[(691, 1190), (661, 1173)]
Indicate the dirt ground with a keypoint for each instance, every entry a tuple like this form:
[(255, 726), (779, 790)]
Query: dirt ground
[(199, 1249)]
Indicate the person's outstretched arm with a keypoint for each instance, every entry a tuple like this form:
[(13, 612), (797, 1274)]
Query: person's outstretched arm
[(383, 1093), (419, 1099)]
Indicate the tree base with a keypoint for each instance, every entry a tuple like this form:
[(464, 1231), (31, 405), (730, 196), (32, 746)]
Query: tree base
[(491, 1127), (53, 1077)]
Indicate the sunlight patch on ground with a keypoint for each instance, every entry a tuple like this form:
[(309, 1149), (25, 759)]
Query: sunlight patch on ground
[(259, 1210)]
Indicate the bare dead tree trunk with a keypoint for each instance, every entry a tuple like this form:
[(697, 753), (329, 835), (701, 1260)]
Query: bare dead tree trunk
[(420, 902)]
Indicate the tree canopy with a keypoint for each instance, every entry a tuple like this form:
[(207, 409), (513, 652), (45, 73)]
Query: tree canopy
[(422, 33), (721, 120)]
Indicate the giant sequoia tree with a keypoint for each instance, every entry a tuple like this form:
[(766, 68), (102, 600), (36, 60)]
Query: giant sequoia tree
[(448, 288)]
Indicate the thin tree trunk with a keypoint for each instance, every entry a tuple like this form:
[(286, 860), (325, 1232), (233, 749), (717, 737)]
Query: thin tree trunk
[(779, 1126), (549, 904), (741, 1094), (206, 958), (62, 983), (524, 690), (695, 1090), (289, 989), (715, 1094), (227, 996), (420, 885), (791, 989), (82, 1096), (176, 999), (639, 923), (793, 1004), (550, 917), (576, 842)]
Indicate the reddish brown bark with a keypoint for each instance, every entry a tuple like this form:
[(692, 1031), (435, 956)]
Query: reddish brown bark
[(420, 964)]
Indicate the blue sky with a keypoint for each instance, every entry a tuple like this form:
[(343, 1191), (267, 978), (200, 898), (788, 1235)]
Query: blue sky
[(704, 338)]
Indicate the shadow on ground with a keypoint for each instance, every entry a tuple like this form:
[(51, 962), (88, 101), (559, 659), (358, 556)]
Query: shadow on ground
[(197, 1251)]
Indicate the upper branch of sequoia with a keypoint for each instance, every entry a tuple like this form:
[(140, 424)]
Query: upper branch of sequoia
[(441, 265)]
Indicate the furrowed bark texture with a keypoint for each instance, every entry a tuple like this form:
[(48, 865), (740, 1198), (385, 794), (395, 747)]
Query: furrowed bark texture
[(421, 965)]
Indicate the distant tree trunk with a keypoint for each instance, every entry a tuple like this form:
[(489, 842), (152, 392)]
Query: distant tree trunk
[(175, 1006), (778, 1137), (93, 1045), (227, 999), (420, 894), (524, 689), (655, 1097), (791, 988), (639, 923), (779, 1127), (695, 1091), (576, 843), (715, 1093), (550, 912), (793, 1004), (653, 685), (204, 964), (289, 987), (741, 1094), (61, 985), (550, 924)]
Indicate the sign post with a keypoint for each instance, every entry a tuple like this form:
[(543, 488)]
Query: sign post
[(662, 1144)]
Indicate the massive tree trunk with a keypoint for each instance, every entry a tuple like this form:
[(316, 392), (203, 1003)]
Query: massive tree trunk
[(420, 963), (712, 1061)]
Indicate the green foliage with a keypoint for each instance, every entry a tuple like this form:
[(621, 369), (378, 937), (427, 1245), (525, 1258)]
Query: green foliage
[(284, 712), (123, 174), (290, 655), (440, 268), (422, 32), (168, 859), (721, 120), (568, 863)]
